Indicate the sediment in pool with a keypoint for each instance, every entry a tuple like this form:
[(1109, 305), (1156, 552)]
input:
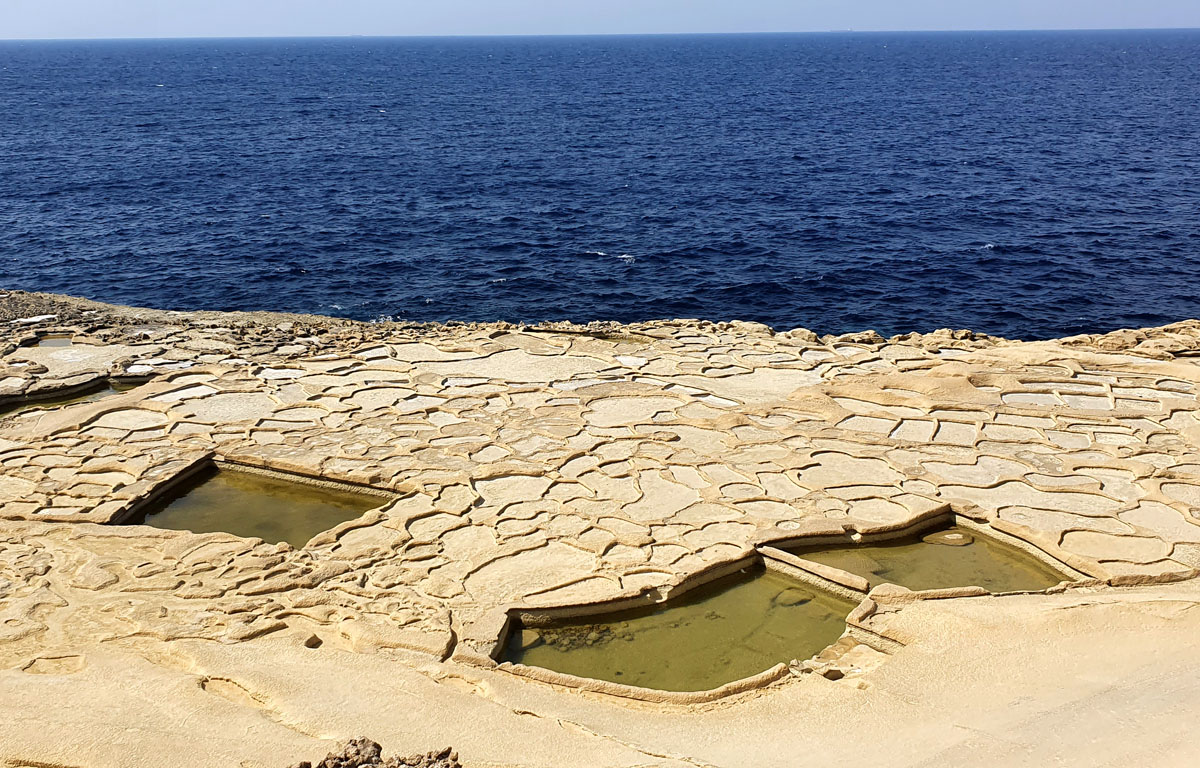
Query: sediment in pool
[(949, 557), (249, 504), (715, 634)]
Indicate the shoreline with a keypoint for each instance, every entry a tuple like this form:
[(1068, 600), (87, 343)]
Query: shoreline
[(33, 303), (557, 470)]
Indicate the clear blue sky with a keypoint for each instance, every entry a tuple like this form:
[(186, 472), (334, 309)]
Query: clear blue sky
[(221, 18)]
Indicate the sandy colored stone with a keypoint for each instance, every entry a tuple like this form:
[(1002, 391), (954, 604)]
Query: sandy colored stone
[(562, 466)]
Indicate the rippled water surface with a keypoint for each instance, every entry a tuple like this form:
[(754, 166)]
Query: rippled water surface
[(1025, 184)]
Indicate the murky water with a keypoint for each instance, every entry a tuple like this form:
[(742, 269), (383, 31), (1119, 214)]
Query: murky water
[(251, 505), (715, 634), (954, 557), (110, 388)]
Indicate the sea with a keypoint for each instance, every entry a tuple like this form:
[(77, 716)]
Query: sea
[(1024, 184)]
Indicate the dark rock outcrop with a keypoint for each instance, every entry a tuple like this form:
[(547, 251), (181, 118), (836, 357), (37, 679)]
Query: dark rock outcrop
[(364, 753)]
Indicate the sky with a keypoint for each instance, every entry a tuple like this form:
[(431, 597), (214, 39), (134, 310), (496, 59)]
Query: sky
[(281, 18)]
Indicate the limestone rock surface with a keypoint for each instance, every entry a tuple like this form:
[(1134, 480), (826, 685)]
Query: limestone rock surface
[(536, 468)]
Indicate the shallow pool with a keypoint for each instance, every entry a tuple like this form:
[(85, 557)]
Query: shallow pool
[(54, 340), (952, 557), (725, 631), (259, 506), (87, 396)]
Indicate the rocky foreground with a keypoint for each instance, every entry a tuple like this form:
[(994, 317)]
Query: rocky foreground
[(537, 468), (364, 753)]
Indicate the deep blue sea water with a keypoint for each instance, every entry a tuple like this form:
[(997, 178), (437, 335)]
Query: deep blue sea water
[(1023, 184)]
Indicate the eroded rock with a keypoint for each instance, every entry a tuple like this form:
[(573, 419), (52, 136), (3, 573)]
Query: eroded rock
[(364, 753)]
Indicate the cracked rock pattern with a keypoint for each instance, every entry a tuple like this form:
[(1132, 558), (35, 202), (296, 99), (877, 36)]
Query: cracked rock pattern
[(555, 465)]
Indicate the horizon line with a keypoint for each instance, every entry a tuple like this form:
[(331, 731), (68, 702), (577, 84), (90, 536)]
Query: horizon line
[(591, 34)]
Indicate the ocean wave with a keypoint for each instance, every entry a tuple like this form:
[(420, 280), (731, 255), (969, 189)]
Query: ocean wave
[(525, 193)]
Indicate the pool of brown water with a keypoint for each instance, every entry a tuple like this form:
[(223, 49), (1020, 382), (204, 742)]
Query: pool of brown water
[(953, 557), (715, 634), (256, 506)]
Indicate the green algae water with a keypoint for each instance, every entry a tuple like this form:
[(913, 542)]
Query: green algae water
[(953, 557), (713, 635), (258, 506)]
